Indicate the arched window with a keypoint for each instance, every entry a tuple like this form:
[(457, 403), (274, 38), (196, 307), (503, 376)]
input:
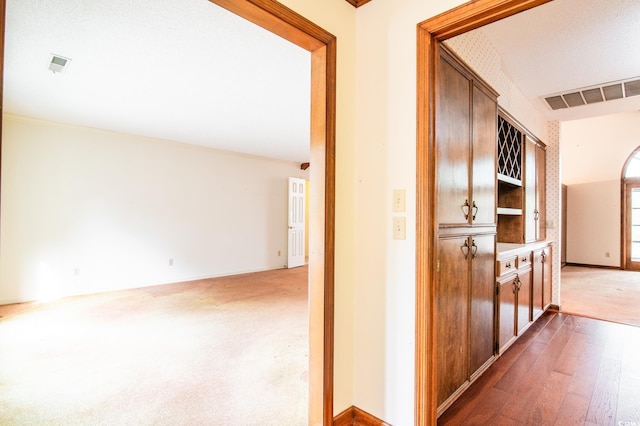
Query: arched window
[(631, 212), (632, 169)]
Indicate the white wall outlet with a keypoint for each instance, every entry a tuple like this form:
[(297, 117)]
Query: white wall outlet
[(399, 200), (399, 228)]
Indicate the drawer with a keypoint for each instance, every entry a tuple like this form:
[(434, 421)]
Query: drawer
[(524, 260), (506, 265)]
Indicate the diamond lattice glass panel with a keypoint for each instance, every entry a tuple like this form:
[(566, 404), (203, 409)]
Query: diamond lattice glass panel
[(509, 150)]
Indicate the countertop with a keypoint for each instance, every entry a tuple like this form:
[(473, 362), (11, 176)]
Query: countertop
[(510, 249)]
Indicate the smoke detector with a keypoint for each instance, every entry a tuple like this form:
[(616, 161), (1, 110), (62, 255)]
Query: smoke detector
[(58, 64)]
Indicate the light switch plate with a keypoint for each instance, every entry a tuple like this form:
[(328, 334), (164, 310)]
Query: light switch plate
[(399, 228), (399, 200)]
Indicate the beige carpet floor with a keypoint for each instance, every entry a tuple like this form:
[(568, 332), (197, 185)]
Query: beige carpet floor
[(225, 351), (607, 294)]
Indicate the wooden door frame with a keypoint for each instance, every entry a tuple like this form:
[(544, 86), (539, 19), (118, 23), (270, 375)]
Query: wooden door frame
[(625, 232), (625, 218), (431, 32), (284, 22)]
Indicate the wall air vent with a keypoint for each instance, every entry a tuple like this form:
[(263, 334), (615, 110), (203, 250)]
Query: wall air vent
[(594, 94), (58, 64)]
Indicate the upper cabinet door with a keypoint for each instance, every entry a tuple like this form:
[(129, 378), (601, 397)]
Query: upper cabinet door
[(530, 188), (484, 154), (541, 185), (453, 135), (535, 189)]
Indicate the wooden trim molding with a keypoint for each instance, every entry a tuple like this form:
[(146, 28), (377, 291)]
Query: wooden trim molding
[(357, 3), (591, 265), (353, 416), (431, 32)]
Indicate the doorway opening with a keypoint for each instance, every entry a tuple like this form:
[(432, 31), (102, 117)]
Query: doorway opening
[(282, 21), (431, 33)]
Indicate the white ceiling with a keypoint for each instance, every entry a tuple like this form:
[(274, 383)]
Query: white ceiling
[(571, 44), (184, 71), (195, 73)]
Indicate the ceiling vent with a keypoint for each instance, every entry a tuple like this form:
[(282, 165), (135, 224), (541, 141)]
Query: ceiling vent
[(58, 64), (594, 94)]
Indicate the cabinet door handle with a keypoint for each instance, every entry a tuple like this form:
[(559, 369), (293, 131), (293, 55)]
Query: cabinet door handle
[(474, 210), (544, 256), (536, 214), (515, 285), (465, 249), (474, 249), (519, 283), (465, 209)]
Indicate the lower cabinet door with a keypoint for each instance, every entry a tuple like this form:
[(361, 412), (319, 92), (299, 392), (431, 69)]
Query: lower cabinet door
[(452, 313), (524, 300), (507, 290), (482, 293), (546, 277), (536, 283)]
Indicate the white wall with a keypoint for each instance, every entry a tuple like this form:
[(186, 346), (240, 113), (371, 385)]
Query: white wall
[(593, 223), (85, 210), (593, 154), (595, 149), (384, 325)]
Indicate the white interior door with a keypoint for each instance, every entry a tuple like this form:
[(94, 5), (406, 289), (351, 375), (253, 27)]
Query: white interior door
[(296, 235)]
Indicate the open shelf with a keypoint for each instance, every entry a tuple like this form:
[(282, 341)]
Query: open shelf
[(508, 179), (509, 211)]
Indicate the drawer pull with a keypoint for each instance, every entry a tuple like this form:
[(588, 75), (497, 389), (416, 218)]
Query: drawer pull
[(465, 209), (465, 249)]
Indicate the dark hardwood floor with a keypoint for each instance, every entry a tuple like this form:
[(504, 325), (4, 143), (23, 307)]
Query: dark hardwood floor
[(565, 370)]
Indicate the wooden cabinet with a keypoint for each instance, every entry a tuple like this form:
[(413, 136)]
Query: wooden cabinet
[(483, 166), (466, 117), (541, 282), (507, 290), (465, 301), (521, 183), (514, 301), (523, 288), (535, 203), (523, 297), (466, 147)]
